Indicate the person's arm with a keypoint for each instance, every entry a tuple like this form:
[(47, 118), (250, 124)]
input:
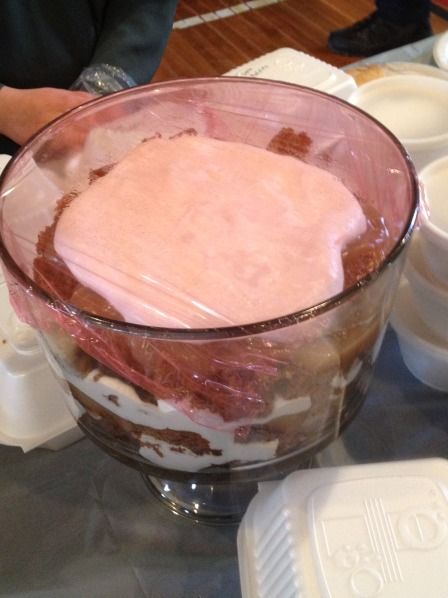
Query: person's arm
[(24, 111), (133, 36)]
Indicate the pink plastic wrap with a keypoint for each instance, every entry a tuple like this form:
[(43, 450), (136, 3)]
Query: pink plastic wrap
[(232, 397)]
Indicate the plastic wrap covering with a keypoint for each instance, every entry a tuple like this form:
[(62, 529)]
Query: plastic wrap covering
[(228, 396), (101, 79)]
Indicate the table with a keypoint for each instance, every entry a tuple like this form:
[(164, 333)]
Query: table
[(76, 523)]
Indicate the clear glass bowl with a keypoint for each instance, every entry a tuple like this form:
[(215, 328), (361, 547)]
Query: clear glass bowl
[(206, 413)]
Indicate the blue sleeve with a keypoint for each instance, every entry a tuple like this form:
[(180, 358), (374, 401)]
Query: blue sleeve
[(134, 34)]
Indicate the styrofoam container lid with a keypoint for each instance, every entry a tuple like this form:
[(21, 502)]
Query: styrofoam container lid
[(361, 531), (292, 66)]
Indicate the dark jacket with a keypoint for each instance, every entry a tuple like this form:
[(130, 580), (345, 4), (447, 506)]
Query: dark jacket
[(47, 43)]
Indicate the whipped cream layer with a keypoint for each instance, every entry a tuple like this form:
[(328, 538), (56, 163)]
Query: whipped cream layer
[(121, 399), (222, 444), (196, 232)]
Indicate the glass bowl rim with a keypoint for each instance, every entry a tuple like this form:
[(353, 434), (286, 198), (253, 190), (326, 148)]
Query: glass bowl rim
[(224, 332)]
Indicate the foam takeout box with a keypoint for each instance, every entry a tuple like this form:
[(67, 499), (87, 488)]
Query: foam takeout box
[(33, 410), (376, 530), (291, 66)]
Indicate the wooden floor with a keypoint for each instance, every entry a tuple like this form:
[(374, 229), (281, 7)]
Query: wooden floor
[(212, 48)]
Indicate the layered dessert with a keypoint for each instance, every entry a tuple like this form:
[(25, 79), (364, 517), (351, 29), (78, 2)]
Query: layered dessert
[(184, 238)]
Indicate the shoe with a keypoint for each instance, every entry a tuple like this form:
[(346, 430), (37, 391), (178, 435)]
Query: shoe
[(374, 35)]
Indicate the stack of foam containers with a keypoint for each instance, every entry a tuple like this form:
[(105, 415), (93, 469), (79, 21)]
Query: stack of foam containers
[(420, 315), (357, 531), (414, 108), (33, 410)]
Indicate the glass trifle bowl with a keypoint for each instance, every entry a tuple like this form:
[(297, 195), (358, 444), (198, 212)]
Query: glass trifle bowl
[(206, 411)]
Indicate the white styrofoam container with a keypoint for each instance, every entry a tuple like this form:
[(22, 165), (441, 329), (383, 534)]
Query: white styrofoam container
[(413, 107), (291, 66), (357, 531), (430, 297), (434, 228), (440, 51), (33, 409), (4, 159), (424, 353)]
